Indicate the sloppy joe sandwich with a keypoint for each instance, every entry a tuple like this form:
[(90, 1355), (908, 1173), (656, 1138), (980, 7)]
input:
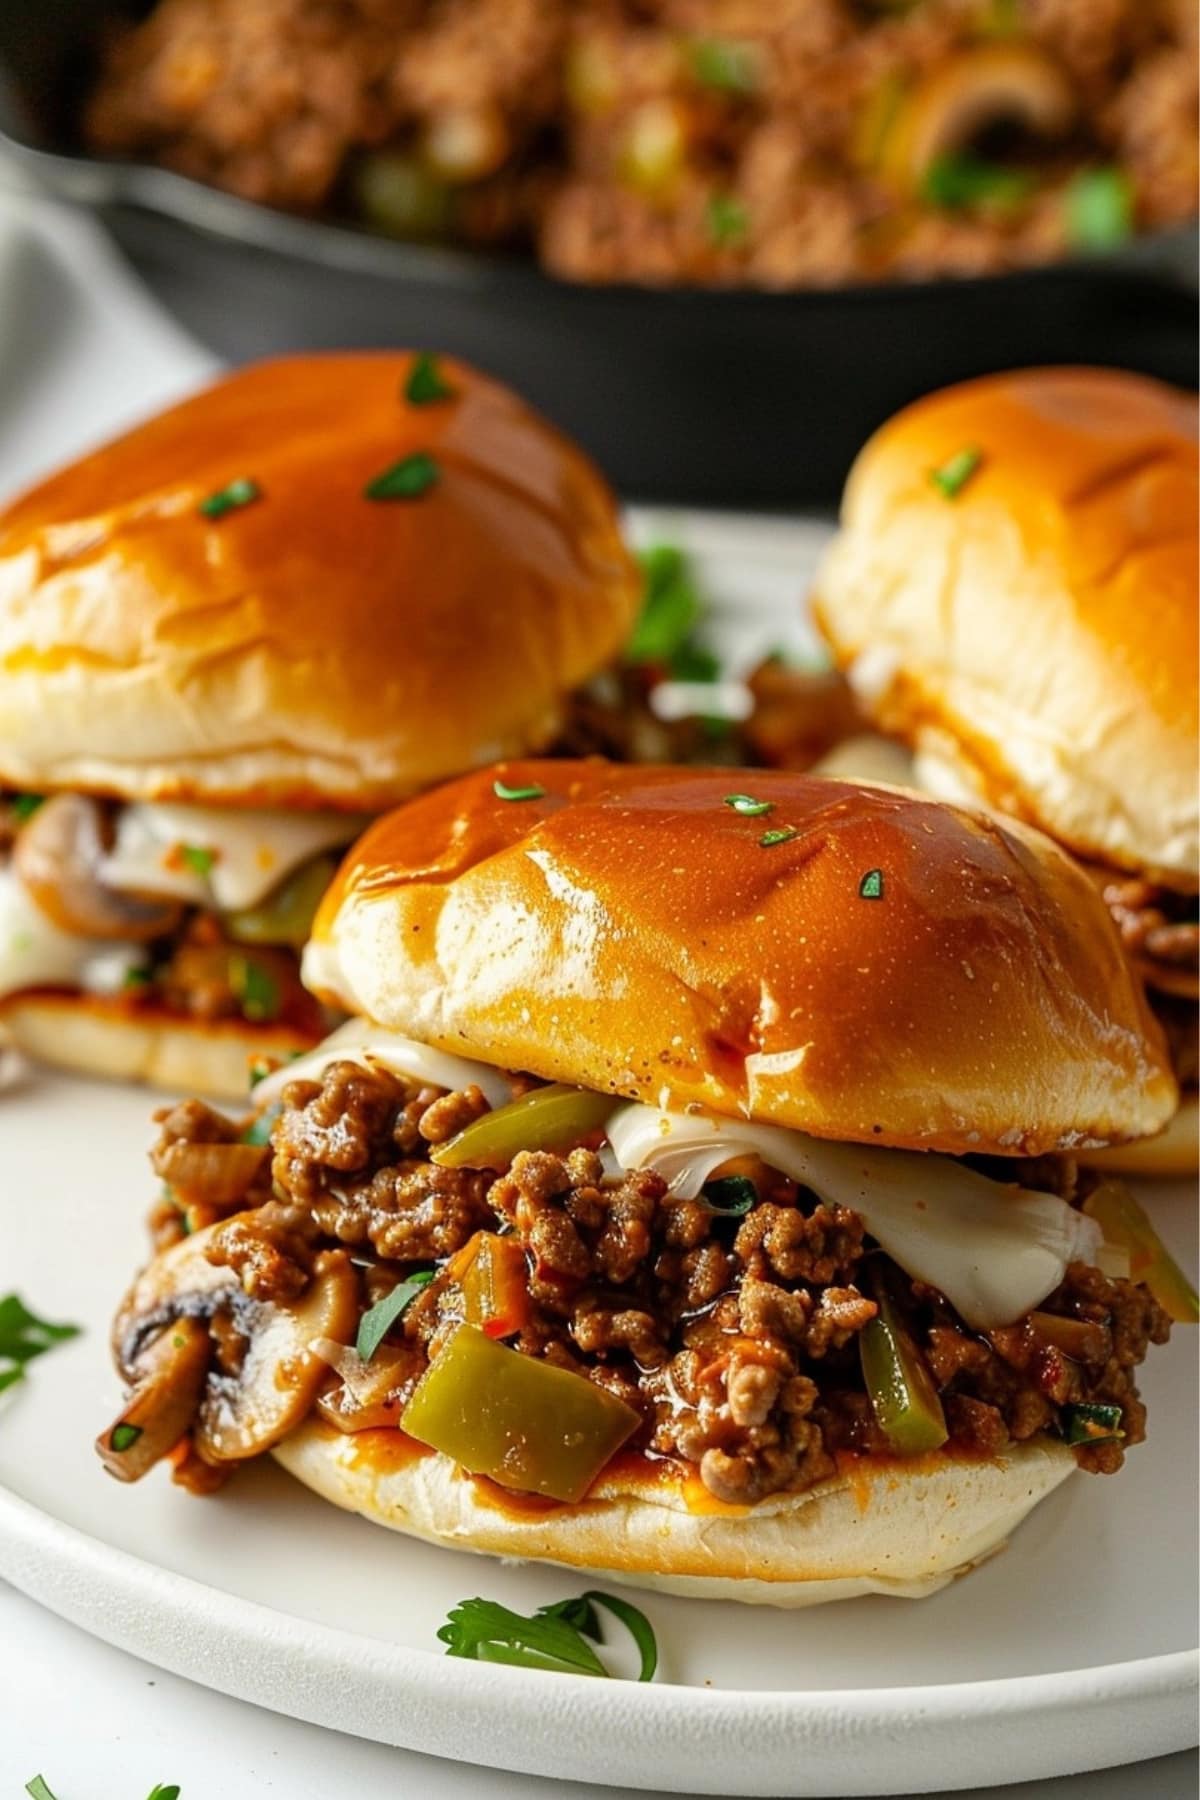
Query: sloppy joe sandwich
[(1013, 593), (677, 1204), (230, 636)]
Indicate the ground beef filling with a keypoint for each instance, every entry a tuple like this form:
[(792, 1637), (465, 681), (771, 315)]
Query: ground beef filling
[(1160, 931), (733, 1338)]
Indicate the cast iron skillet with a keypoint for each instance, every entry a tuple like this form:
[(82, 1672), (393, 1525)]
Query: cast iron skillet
[(731, 397)]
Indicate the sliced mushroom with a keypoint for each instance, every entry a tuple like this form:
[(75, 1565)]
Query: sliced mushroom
[(235, 1405), (991, 84), (57, 856)]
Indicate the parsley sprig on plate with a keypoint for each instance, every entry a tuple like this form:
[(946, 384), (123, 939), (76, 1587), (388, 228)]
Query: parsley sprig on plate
[(23, 1336), (554, 1637)]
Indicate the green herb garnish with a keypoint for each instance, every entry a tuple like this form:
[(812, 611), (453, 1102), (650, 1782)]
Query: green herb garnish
[(726, 219), (1091, 1423), (228, 499), (163, 1791), (23, 1336), (426, 385), (670, 607), (37, 1789), (731, 1196), (408, 479), (124, 1437), (725, 64), (1099, 209), (137, 977), (502, 791), (255, 989), (748, 805), (25, 805), (962, 179), (782, 834), (694, 662), (871, 885), (374, 1325), (952, 476), (198, 858), (556, 1637)]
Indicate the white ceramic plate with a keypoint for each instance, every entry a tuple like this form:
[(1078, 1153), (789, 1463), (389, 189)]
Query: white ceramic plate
[(1068, 1651), (1071, 1651)]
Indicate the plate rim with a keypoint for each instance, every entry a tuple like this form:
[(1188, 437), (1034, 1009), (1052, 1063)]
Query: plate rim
[(1102, 1715)]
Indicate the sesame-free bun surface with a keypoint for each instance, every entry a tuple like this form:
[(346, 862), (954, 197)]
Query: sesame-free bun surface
[(93, 1035), (1039, 630), (628, 931), (884, 1527), (313, 647)]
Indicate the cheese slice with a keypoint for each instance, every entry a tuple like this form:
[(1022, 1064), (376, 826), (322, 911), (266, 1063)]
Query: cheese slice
[(217, 856), (35, 953)]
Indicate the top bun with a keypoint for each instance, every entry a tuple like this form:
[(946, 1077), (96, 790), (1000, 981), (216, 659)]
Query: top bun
[(313, 647), (890, 970), (1035, 635)]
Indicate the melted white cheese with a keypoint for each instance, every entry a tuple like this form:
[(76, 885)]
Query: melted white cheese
[(251, 852), (360, 1041), (995, 1251), (35, 953)]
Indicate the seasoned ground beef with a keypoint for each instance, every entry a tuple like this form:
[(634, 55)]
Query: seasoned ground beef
[(766, 142), (733, 1337), (1160, 931)]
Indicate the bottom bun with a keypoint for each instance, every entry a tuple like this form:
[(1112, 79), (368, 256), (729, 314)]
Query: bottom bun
[(97, 1036), (904, 1528), (1173, 1152)]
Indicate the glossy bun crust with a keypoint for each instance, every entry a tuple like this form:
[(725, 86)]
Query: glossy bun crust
[(901, 1528), (630, 931), (313, 647), (1036, 635)]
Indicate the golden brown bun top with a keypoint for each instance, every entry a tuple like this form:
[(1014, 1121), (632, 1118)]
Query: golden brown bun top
[(313, 647), (1037, 633), (630, 931)]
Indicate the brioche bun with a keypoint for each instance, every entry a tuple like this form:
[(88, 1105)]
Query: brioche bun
[(1038, 630), (629, 931), (886, 1527), (93, 1035), (313, 647)]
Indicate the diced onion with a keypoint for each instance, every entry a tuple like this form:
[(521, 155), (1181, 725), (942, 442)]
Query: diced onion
[(360, 1041), (995, 1251)]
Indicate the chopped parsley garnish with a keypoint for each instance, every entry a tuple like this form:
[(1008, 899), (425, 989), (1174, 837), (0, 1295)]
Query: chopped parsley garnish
[(730, 1196), (124, 1437), (725, 64), (164, 1791), (748, 805), (1099, 209), (255, 988), (25, 805), (960, 179), (426, 384), (408, 479), (726, 219), (197, 857), (871, 885), (782, 834), (23, 1336), (502, 791), (37, 1789), (374, 1325), (555, 1637), (262, 1066), (137, 977), (228, 499), (1091, 1423), (952, 476)]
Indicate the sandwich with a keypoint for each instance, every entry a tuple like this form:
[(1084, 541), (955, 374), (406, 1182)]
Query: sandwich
[(230, 637), (689, 1197), (1013, 594)]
